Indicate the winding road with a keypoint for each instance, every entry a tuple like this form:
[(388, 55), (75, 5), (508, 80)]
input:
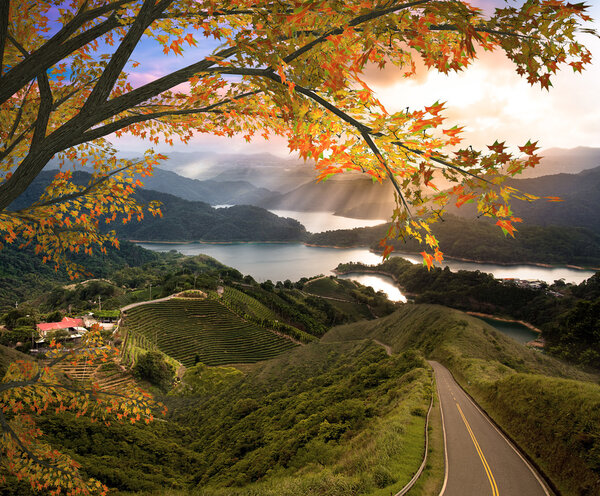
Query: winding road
[(480, 461)]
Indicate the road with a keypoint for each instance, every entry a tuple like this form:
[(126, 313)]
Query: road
[(480, 461)]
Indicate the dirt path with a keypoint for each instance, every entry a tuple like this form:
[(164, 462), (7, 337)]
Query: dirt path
[(139, 303), (387, 348)]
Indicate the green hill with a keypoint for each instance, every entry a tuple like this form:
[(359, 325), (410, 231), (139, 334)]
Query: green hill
[(550, 408), (185, 220), (190, 330)]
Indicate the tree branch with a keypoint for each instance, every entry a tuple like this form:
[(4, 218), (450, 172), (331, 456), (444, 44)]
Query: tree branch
[(25, 450), (367, 137), (111, 72), (88, 189), (19, 115), (50, 54), (44, 111), (4, 14), (102, 131), (443, 162), (114, 106), (354, 22)]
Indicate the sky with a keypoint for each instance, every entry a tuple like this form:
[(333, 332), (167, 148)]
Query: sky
[(489, 98)]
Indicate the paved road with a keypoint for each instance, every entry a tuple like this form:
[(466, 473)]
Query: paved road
[(480, 460)]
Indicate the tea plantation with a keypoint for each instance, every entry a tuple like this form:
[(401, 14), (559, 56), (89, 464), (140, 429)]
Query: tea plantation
[(189, 330)]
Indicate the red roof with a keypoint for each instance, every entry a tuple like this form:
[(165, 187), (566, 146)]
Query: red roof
[(63, 324)]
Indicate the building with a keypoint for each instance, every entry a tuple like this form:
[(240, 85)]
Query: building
[(67, 323)]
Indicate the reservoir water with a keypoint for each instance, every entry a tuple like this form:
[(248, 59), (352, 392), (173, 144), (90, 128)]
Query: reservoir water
[(281, 261), (316, 222), (517, 331), (378, 283)]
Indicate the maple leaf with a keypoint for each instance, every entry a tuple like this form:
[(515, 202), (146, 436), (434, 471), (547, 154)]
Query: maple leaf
[(293, 72), (506, 226)]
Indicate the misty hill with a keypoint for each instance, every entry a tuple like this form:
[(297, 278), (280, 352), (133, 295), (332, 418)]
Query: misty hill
[(262, 170), (185, 220), (207, 191), (580, 194), (334, 195), (565, 160)]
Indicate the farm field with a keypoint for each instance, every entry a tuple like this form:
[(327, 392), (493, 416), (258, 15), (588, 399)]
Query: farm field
[(184, 329)]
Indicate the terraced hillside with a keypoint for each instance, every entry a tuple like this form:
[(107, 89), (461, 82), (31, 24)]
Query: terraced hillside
[(184, 328)]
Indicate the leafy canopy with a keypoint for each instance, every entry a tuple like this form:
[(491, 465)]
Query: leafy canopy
[(292, 69), (33, 388)]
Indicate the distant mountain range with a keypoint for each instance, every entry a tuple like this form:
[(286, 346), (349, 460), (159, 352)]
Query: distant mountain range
[(564, 161), (208, 191), (262, 170), (185, 220), (580, 194), (286, 184)]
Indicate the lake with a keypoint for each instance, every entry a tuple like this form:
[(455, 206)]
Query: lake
[(316, 222), (281, 261), (378, 283), (517, 331)]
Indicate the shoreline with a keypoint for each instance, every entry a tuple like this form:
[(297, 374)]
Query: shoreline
[(378, 252), (504, 319)]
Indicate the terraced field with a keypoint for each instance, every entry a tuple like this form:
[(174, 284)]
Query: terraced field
[(184, 328), (247, 304)]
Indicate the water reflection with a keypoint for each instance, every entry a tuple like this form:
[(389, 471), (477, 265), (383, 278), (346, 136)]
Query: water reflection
[(316, 222), (293, 261), (378, 283)]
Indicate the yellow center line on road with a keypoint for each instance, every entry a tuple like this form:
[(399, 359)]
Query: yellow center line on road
[(486, 467)]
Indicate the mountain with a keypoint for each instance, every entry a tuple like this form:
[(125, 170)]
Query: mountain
[(208, 191), (262, 170), (580, 194), (564, 160), (185, 220), (334, 195)]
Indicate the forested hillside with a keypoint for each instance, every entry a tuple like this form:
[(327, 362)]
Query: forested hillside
[(476, 239), (184, 220)]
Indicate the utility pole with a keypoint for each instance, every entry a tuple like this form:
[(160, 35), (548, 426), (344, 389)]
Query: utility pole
[(150, 292), (99, 303)]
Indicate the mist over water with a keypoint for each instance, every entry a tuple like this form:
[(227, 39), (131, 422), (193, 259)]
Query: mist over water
[(316, 222)]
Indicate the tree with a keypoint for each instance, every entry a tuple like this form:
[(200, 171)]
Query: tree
[(280, 68), (283, 68), (153, 368), (32, 388)]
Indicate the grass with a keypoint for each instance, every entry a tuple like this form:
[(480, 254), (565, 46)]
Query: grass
[(549, 407), (431, 480), (188, 330), (376, 460)]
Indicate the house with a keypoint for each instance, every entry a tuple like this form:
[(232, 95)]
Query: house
[(67, 323)]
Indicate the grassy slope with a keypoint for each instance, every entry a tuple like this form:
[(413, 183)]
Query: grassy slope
[(7, 356), (376, 459), (551, 409)]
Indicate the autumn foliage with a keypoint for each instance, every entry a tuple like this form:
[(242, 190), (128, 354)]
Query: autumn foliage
[(69, 80), (279, 68), (33, 388)]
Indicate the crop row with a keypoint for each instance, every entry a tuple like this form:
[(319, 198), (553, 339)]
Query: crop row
[(205, 330)]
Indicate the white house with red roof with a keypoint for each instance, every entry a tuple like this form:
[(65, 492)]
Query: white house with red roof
[(66, 323)]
